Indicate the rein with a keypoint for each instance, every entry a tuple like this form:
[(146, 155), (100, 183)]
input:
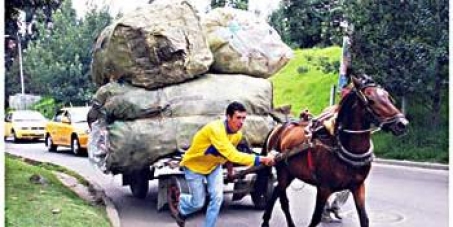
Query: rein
[(370, 130)]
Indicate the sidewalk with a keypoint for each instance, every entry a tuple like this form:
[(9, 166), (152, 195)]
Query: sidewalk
[(425, 165)]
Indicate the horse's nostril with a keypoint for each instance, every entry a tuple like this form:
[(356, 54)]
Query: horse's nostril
[(402, 124)]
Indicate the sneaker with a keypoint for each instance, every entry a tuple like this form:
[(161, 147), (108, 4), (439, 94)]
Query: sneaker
[(328, 218)]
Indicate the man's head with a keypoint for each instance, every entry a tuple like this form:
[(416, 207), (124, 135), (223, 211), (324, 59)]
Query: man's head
[(236, 114)]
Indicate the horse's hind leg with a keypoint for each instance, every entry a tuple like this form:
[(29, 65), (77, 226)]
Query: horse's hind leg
[(284, 202), (359, 199), (321, 198), (283, 177), (270, 206)]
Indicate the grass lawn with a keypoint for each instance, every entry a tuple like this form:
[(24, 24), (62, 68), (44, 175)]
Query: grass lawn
[(50, 204)]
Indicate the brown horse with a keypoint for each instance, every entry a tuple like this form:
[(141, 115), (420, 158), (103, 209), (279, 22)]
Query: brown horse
[(337, 161)]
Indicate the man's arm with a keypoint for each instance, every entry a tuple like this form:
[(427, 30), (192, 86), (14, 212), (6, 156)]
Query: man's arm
[(220, 141)]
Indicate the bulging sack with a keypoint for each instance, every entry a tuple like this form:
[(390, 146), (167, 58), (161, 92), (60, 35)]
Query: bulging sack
[(125, 146), (243, 43), (208, 95), (151, 47)]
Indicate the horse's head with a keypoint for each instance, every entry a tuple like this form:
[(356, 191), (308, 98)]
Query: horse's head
[(379, 105)]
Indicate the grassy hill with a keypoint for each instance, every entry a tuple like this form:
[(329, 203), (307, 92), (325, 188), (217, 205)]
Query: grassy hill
[(303, 84)]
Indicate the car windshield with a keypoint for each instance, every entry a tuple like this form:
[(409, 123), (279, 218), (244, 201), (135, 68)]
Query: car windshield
[(28, 116), (79, 115)]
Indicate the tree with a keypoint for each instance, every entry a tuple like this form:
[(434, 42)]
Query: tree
[(237, 4), (35, 12), (309, 23), (58, 62), (404, 44), (279, 22)]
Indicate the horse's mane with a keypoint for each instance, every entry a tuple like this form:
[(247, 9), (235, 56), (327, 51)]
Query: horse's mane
[(347, 101), (350, 98)]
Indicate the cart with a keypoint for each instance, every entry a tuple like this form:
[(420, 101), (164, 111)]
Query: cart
[(171, 181)]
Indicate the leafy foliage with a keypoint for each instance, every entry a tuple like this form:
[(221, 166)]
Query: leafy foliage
[(35, 11), (47, 106), (309, 23), (237, 4), (404, 44), (58, 63)]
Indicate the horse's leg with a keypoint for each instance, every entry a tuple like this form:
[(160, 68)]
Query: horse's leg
[(322, 194), (284, 202), (270, 206), (359, 199), (282, 176)]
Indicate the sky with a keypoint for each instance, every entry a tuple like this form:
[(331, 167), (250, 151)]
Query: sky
[(81, 6)]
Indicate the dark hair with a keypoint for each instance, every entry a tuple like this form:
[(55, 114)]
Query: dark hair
[(233, 107)]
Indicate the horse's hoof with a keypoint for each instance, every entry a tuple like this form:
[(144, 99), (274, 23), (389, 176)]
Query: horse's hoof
[(265, 225)]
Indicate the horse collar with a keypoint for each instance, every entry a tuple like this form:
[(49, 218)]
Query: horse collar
[(355, 160)]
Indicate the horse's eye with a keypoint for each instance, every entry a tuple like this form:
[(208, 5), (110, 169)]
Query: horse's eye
[(392, 100), (371, 102)]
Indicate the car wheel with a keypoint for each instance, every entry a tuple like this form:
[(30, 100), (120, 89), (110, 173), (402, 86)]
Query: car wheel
[(75, 146), (50, 146), (15, 138), (139, 183)]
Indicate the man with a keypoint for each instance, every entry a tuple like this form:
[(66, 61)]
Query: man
[(333, 206), (212, 146)]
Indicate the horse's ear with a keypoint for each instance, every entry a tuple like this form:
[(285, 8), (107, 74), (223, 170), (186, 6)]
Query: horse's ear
[(356, 81)]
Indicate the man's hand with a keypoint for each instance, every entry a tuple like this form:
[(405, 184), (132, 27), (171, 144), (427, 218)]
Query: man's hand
[(269, 160)]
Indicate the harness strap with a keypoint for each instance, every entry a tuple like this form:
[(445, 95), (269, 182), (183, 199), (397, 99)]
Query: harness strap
[(278, 158), (309, 160)]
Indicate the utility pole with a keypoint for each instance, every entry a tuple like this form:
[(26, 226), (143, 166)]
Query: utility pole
[(19, 46)]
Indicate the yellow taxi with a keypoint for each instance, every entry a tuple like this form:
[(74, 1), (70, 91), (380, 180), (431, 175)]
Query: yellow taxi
[(68, 128), (24, 125)]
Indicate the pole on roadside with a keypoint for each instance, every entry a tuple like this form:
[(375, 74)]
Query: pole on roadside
[(19, 46), (333, 91)]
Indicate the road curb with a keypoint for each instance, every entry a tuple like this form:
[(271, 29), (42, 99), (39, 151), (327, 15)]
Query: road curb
[(91, 193), (424, 165), (110, 208)]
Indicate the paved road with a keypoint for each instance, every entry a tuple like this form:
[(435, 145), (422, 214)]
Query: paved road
[(396, 196)]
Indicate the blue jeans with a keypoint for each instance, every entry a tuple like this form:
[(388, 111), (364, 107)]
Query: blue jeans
[(190, 203)]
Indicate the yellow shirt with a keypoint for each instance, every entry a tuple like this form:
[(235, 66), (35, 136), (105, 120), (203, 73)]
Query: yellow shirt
[(213, 146)]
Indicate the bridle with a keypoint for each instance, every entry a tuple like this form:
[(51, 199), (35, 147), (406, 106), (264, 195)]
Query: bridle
[(378, 121), (362, 159)]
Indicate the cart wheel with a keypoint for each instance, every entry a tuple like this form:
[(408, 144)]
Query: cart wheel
[(263, 189), (139, 183), (176, 186)]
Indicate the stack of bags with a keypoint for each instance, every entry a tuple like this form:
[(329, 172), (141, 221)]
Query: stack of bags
[(164, 73)]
